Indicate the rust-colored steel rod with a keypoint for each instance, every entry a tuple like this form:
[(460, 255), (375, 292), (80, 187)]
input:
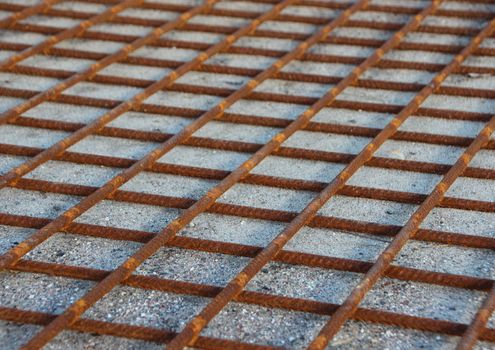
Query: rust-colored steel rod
[(341, 40), (164, 336), (124, 271), (129, 19), (271, 33), (481, 14), (371, 7), (67, 33), (251, 297), (192, 330), (434, 198), (253, 119), (246, 147), (255, 179), (235, 249), (340, 6), (331, 128), (478, 324), (14, 174), (53, 92), (264, 120), (269, 181), (27, 11), (263, 96), (260, 96)]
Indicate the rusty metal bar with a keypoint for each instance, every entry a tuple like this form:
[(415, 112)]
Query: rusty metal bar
[(43, 29), (121, 273), (264, 96), (475, 329), (288, 76), (331, 128), (378, 7), (343, 40), (319, 221), (262, 180), (253, 119), (236, 146)]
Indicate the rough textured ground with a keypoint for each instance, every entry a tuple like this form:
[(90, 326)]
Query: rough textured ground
[(243, 322)]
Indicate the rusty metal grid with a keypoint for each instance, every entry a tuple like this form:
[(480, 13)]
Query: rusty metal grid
[(415, 18)]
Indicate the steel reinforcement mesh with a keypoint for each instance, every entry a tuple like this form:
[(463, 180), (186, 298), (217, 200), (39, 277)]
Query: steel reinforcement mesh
[(247, 174)]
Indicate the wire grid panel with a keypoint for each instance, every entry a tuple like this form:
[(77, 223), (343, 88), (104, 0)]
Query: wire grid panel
[(427, 298)]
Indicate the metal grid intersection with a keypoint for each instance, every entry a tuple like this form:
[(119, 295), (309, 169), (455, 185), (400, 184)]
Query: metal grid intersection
[(14, 258)]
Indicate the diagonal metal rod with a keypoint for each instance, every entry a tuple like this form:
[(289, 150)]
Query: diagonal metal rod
[(27, 12), (482, 316), (386, 257), (126, 269), (52, 93)]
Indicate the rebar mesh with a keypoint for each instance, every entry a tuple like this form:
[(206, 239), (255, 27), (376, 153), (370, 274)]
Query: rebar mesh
[(364, 127)]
